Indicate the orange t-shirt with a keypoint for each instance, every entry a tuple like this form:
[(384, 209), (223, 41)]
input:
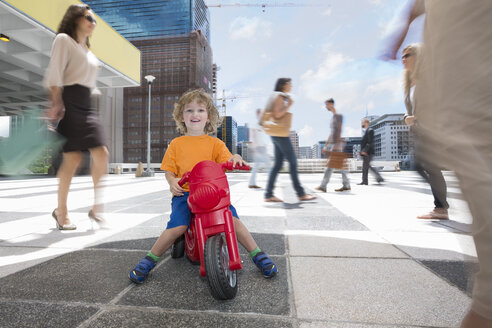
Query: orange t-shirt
[(185, 152)]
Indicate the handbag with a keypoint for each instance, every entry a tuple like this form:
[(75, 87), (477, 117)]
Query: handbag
[(276, 127), (336, 160)]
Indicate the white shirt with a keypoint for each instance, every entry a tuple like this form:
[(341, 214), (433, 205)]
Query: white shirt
[(71, 63)]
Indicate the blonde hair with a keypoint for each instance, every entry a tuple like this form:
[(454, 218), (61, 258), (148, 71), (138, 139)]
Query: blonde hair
[(201, 97), (410, 77)]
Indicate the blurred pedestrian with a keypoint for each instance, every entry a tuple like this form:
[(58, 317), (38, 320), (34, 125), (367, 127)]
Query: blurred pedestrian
[(334, 143), (453, 97), (70, 78), (424, 166), (367, 152), (259, 149), (277, 121)]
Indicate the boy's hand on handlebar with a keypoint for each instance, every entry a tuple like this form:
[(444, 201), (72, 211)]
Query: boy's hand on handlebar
[(175, 188), (237, 160)]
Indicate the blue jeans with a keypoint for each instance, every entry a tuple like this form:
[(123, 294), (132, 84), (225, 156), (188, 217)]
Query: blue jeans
[(283, 149)]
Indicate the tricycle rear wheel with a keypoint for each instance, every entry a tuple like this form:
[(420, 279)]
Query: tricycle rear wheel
[(178, 248), (221, 280)]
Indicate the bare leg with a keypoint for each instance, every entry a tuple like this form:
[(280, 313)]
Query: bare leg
[(70, 163), (243, 236), (166, 239), (99, 169)]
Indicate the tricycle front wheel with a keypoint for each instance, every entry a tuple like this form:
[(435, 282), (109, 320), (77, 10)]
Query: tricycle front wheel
[(222, 281)]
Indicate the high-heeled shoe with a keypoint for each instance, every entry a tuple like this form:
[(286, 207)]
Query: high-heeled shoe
[(69, 226), (99, 220)]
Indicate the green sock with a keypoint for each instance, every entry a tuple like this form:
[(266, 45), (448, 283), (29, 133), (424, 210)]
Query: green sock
[(254, 252), (155, 258)]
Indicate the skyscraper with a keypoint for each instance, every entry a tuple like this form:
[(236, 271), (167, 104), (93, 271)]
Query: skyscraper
[(147, 19), (173, 37), (243, 133), (230, 130)]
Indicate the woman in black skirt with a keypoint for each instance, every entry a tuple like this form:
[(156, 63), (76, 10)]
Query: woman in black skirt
[(70, 78)]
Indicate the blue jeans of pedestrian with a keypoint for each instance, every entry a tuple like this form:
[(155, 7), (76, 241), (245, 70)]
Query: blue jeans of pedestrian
[(284, 150)]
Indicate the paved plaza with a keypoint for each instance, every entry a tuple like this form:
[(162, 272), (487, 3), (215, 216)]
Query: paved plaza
[(355, 259)]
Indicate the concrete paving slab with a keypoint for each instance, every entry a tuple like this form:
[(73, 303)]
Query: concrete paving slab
[(272, 244), (16, 314), (84, 276), (329, 222), (12, 216), (177, 284), (14, 259), (434, 246), (457, 273), (340, 244), (334, 324), (130, 318), (43, 233), (379, 291), (265, 224)]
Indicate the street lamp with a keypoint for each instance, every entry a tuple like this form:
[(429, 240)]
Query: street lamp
[(148, 172)]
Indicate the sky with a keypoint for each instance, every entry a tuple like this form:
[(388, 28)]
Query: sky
[(328, 48)]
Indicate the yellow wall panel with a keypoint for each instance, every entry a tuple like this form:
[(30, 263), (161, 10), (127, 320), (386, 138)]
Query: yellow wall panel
[(106, 43)]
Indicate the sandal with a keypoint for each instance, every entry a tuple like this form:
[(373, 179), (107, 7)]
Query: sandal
[(307, 197), (273, 199)]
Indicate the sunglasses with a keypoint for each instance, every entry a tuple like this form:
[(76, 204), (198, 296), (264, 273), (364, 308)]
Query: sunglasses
[(90, 19), (405, 56)]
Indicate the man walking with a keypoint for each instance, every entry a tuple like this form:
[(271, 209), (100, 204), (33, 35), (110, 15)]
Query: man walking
[(336, 143), (367, 151)]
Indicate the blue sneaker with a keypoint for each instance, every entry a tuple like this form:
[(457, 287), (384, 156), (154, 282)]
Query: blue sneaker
[(142, 269), (265, 264)]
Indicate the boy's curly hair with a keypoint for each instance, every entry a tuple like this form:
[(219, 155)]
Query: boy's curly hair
[(200, 96)]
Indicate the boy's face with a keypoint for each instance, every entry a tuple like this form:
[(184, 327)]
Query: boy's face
[(195, 117)]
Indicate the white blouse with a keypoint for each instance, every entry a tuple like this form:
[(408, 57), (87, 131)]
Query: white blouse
[(71, 63)]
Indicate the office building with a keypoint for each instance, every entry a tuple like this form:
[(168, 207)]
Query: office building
[(305, 152), (352, 146), (294, 139), (148, 19), (392, 139), (317, 149), (173, 37), (227, 132), (243, 133)]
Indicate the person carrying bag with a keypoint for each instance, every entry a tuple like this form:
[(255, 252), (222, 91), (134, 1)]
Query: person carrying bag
[(276, 121), (277, 126)]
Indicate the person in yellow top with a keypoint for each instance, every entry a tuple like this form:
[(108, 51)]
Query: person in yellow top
[(195, 116)]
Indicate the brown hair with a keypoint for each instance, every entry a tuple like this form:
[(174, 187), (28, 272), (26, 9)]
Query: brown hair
[(68, 24), (201, 97)]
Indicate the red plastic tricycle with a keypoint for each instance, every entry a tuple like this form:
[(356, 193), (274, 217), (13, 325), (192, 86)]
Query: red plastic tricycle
[(211, 238)]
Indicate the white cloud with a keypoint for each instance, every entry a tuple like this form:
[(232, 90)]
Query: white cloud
[(266, 57), (244, 106), (315, 83), (376, 2), (349, 131), (388, 84), (327, 12), (249, 28), (307, 131)]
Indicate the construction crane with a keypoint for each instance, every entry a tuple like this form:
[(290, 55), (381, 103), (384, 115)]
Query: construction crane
[(262, 5), (222, 111)]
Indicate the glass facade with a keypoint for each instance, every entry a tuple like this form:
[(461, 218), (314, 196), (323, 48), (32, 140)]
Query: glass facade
[(147, 19), (229, 128), (174, 39)]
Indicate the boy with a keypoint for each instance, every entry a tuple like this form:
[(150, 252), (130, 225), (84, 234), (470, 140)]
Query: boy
[(195, 116)]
